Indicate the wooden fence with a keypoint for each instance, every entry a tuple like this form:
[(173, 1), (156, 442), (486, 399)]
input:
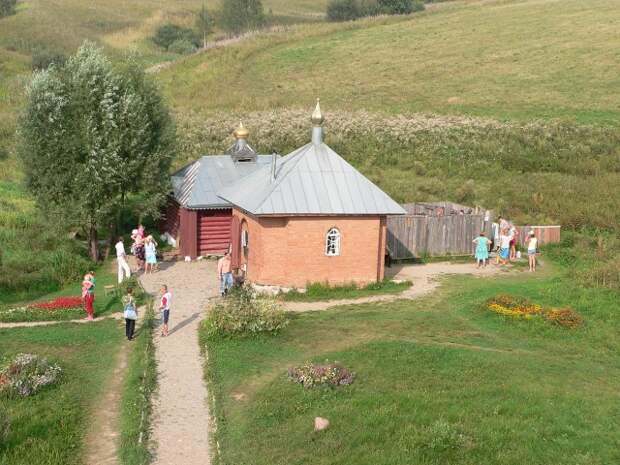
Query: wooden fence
[(413, 236), (444, 228)]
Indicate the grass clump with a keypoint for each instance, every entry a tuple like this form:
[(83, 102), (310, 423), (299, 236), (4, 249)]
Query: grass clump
[(136, 405), (321, 374), (244, 312), (323, 291)]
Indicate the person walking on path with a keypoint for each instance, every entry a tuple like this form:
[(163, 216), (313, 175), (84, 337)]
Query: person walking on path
[(532, 248), (88, 294), (224, 272), (150, 253), (482, 249), (164, 308), (130, 313), (121, 258)]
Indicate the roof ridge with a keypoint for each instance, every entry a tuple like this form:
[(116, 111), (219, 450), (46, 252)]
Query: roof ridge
[(283, 161)]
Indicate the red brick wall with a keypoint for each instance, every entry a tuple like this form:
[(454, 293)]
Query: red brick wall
[(291, 251)]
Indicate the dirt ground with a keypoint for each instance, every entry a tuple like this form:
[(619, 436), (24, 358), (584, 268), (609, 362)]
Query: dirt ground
[(181, 416), (425, 279)]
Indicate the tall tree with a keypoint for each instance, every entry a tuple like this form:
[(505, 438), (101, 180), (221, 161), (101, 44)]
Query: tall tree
[(203, 23), (91, 135), (242, 15)]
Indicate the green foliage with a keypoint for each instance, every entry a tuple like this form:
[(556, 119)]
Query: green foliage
[(343, 10), (5, 425), (137, 290), (7, 7), (91, 135), (167, 34), (243, 312), (204, 24), (323, 291), (182, 47), (399, 7), (43, 59), (238, 16)]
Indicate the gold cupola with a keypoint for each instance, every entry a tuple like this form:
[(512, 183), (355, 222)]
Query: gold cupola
[(241, 132), (317, 117)]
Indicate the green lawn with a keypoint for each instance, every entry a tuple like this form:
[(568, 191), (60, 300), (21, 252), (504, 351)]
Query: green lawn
[(439, 381), (518, 60), (49, 428)]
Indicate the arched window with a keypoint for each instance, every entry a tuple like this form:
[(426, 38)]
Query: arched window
[(332, 242)]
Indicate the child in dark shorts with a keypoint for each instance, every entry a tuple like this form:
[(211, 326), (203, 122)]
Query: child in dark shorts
[(164, 307)]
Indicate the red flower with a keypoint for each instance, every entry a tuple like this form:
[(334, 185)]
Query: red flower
[(59, 303)]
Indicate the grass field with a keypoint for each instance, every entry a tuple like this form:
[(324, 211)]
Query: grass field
[(49, 428), (508, 60), (438, 381)]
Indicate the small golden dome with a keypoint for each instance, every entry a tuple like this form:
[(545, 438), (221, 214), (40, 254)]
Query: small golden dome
[(317, 117), (241, 132)]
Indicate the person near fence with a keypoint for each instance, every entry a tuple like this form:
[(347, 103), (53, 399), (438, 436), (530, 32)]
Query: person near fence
[(482, 249), (130, 313), (121, 259), (514, 234), (532, 248), (504, 247), (88, 294)]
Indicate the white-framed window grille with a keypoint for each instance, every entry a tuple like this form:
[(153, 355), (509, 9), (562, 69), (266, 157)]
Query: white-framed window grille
[(332, 242), (245, 238)]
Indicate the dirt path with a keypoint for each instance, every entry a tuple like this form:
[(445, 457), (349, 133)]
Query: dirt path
[(425, 279), (181, 416)]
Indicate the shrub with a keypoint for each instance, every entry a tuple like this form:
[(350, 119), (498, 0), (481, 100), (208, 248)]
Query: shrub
[(242, 15), (7, 7), (327, 374), (43, 59), (167, 34), (399, 7), (243, 312), (27, 374), (343, 10), (182, 47)]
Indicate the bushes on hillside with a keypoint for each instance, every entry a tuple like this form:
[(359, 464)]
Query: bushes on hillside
[(177, 37), (348, 10), (43, 59), (7, 7), (239, 16)]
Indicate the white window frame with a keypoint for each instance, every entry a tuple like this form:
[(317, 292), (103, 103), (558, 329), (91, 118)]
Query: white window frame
[(333, 238)]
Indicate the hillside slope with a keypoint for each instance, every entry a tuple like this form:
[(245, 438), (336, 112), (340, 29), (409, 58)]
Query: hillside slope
[(509, 60)]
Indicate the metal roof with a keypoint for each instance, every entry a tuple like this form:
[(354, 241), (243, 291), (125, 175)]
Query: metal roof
[(312, 180), (196, 184)]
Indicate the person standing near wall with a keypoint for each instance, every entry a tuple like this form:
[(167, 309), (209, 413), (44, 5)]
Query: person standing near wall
[(482, 249), (532, 248), (504, 246), (224, 271), (121, 258)]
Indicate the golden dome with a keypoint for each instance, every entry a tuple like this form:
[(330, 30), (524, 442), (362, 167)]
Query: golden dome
[(317, 117), (241, 132)]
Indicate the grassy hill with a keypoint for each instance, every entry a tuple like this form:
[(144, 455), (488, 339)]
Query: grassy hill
[(508, 60)]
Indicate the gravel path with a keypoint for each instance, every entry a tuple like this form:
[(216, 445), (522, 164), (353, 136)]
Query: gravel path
[(425, 279), (181, 416)]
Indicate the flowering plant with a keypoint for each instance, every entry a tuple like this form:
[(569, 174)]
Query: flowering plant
[(328, 374), (59, 303), (518, 307), (26, 374)]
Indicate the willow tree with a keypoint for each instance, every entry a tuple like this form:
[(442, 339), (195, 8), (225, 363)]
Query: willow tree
[(91, 135)]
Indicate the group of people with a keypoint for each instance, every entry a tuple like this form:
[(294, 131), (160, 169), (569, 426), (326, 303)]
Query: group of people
[(144, 248), (504, 243)]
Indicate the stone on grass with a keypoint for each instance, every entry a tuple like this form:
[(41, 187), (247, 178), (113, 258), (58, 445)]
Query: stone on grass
[(320, 424)]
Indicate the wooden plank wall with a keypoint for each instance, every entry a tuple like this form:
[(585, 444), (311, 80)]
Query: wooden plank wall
[(412, 236), (545, 234)]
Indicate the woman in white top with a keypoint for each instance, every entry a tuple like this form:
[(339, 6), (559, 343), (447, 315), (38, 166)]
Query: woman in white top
[(532, 247)]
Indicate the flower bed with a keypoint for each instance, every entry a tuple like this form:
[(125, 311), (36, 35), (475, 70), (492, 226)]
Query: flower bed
[(519, 307), (328, 374), (27, 374), (61, 308)]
